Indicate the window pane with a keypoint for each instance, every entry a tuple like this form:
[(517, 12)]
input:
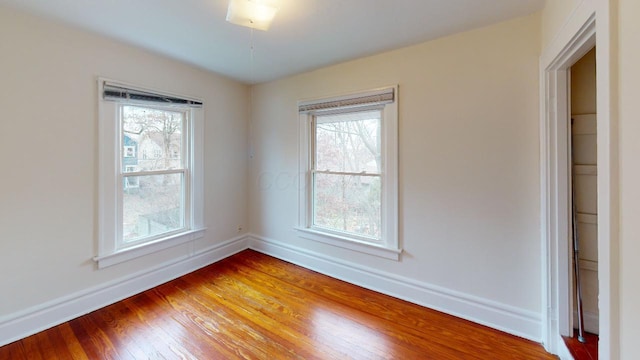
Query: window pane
[(348, 203), (151, 138), (348, 142), (152, 205)]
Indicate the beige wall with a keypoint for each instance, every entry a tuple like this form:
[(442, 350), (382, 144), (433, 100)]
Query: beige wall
[(583, 85), (629, 78), (554, 15), (469, 181), (48, 152), (468, 157)]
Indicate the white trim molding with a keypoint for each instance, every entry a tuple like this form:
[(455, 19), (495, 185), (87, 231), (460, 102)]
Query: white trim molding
[(112, 248), (563, 350), (513, 320), (363, 247), (33, 320), (577, 36), (148, 248), (384, 100)]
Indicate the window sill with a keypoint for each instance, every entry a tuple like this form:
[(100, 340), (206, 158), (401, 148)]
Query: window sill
[(130, 253), (351, 244)]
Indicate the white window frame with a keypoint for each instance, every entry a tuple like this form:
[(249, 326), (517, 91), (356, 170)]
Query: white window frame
[(388, 246), (111, 249), (130, 184)]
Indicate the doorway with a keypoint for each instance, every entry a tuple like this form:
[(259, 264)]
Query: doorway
[(556, 202), (583, 343), (575, 39), (584, 174)]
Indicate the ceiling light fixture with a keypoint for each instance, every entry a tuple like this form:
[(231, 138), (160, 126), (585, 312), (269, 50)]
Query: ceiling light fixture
[(256, 14)]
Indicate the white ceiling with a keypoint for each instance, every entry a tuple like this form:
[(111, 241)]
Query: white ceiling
[(305, 35)]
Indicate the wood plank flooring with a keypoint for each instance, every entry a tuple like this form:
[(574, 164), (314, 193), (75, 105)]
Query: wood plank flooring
[(580, 351), (252, 306)]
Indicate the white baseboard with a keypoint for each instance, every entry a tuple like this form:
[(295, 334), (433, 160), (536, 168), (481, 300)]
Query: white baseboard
[(516, 321), (523, 323), (31, 321), (563, 350)]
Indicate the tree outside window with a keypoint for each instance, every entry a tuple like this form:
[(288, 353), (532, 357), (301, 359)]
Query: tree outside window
[(156, 204), (347, 173)]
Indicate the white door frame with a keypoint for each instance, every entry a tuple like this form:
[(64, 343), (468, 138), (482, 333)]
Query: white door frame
[(574, 40)]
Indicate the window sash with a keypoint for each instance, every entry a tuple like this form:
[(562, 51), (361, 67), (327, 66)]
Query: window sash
[(184, 153), (339, 232), (184, 172), (363, 173), (184, 221), (183, 169), (317, 119), (185, 215)]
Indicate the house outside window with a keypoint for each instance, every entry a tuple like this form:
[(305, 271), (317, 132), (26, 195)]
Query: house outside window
[(129, 151), (348, 163), (158, 207), (147, 204)]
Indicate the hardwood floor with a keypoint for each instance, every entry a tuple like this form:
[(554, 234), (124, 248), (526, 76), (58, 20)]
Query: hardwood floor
[(580, 351), (252, 306)]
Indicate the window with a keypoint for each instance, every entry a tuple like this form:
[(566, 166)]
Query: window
[(147, 203), (157, 208), (129, 151), (348, 158), (130, 182), (346, 173)]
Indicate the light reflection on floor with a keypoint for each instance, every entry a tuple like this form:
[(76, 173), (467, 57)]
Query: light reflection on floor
[(346, 335)]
